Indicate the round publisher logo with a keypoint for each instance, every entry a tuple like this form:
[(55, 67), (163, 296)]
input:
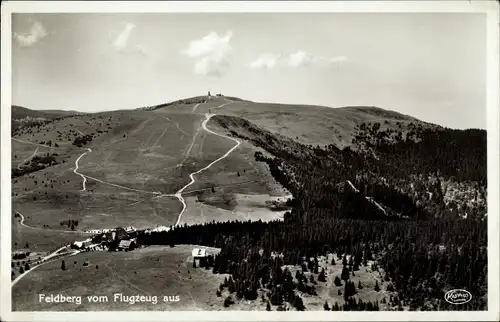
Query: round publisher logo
[(457, 296)]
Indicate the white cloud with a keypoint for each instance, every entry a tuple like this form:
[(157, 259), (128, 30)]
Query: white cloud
[(267, 60), (297, 59), (211, 54), (302, 58), (121, 40), (36, 33), (123, 44)]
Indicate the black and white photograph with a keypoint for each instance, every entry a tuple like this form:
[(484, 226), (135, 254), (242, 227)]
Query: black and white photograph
[(251, 160)]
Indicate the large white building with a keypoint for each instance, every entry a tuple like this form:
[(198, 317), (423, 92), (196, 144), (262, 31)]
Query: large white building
[(130, 229), (83, 243), (199, 252)]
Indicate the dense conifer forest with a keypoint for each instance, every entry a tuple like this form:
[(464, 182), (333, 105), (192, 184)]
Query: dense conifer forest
[(410, 200)]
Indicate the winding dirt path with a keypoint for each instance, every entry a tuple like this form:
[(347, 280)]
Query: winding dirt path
[(85, 177), (28, 158), (44, 260), (76, 168), (186, 154), (126, 188), (196, 106), (47, 229), (178, 194)]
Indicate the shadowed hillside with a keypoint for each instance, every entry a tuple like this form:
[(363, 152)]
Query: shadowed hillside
[(24, 117), (19, 112)]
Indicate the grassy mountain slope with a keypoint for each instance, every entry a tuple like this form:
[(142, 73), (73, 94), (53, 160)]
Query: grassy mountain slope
[(313, 125), (142, 152), (135, 155), (384, 192)]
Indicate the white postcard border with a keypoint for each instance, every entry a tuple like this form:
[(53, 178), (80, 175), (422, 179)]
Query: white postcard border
[(490, 8)]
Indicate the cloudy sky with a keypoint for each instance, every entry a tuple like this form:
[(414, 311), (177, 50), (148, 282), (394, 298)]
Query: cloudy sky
[(431, 66)]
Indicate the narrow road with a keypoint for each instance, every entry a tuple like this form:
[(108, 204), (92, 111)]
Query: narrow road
[(76, 168), (176, 125), (352, 186), (85, 177), (179, 193), (44, 260), (227, 102), (370, 199), (196, 106), (28, 158), (123, 187), (47, 229), (376, 204), (134, 203), (186, 154)]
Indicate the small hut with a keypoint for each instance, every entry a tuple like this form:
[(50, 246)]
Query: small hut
[(199, 253)]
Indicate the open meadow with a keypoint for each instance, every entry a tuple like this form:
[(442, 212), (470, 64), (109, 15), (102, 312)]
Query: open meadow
[(151, 271), (115, 179), (167, 271)]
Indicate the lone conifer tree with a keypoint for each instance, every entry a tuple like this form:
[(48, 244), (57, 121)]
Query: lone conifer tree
[(63, 265), (298, 303), (345, 274), (322, 276)]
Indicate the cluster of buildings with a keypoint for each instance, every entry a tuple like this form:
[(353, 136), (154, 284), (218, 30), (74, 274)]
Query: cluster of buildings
[(124, 239), (106, 230), (87, 245), (118, 239), (158, 228), (217, 95)]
